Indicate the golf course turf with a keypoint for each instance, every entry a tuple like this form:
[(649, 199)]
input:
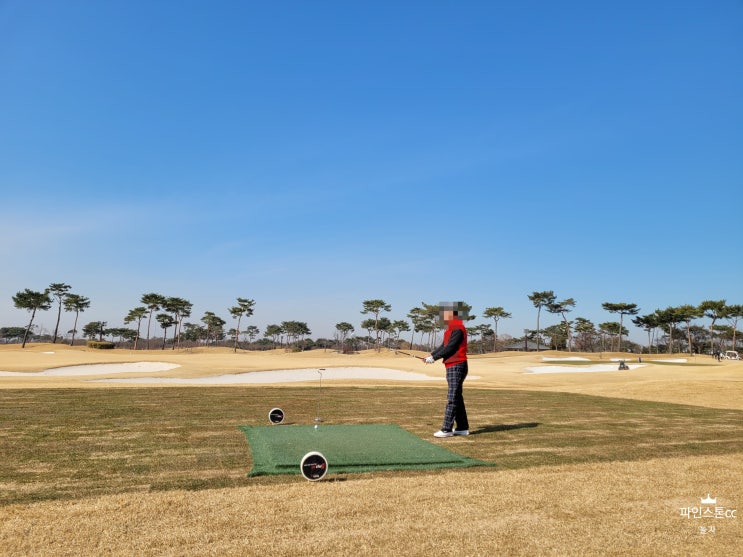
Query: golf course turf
[(62, 443), (578, 463)]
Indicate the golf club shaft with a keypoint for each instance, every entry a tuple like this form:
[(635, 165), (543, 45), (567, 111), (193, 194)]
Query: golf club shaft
[(409, 354)]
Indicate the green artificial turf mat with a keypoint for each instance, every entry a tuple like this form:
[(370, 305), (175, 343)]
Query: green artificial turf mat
[(279, 449)]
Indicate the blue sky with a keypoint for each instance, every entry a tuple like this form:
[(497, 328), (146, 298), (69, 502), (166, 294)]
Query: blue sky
[(312, 155)]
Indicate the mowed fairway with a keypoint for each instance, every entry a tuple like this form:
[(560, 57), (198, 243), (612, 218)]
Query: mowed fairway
[(587, 463)]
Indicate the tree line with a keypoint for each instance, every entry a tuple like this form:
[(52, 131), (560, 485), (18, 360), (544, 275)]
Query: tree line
[(670, 329)]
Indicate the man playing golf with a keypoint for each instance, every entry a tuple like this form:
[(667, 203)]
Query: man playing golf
[(454, 353)]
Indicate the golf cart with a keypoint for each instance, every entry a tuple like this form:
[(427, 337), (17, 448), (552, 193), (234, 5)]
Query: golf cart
[(732, 355)]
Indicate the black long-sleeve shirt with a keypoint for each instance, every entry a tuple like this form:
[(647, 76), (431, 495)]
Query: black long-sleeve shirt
[(450, 348)]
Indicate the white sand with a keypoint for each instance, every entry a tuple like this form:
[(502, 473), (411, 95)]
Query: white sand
[(94, 369), (598, 368), (569, 359), (284, 376)]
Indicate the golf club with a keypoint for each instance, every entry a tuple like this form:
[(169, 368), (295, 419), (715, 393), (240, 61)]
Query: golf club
[(318, 419), (409, 354)]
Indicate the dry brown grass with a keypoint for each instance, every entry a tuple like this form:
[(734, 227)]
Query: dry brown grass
[(603, 509), (595, 508)]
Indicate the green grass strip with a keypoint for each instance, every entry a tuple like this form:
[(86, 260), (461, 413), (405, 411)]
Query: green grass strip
[(348, 448)]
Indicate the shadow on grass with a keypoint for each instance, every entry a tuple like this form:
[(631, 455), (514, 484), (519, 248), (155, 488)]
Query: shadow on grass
[(503, 427)]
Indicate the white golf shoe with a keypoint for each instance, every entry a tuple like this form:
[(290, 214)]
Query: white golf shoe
[(441, 433), (461, 432)]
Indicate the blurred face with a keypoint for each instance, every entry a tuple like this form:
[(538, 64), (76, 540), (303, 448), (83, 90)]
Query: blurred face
[(451, 311)]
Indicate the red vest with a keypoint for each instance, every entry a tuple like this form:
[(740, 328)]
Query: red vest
[(461, 354)]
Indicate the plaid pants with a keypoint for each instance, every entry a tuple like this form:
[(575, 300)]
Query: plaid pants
[(455, 410)]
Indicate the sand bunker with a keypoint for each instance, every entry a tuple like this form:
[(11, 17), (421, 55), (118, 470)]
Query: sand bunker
[(94, 369), (283, 376), (279, 376), (598, 368), (293, 375), (247, 378)]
